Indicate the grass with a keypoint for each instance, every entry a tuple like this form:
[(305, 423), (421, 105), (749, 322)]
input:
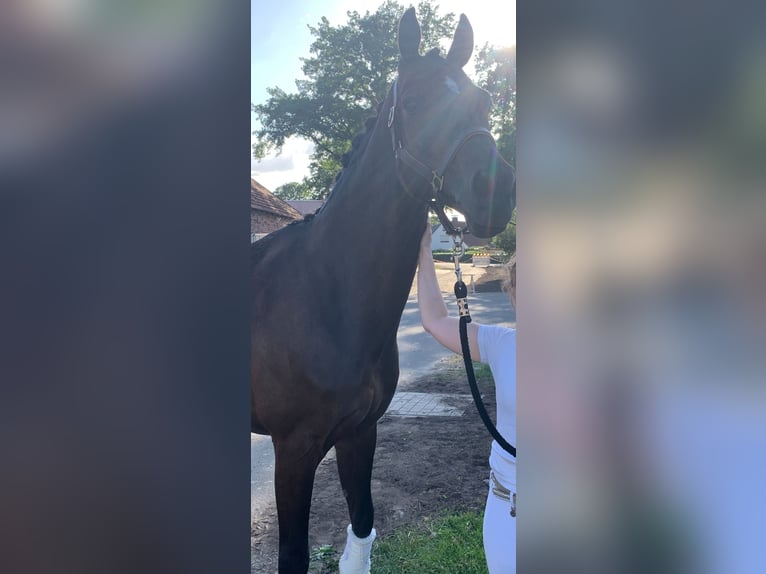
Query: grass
[(448, 544), (324, 560), (454, 365), (481, 370)]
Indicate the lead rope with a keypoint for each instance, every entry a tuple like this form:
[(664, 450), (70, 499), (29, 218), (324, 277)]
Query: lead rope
[(461, 293)]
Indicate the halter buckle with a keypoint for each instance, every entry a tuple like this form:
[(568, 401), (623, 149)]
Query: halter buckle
[(391, 116)]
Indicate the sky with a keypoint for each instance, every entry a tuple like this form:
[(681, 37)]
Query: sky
[(279, 37)]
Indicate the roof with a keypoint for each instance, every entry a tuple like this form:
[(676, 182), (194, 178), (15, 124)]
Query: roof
[(306, 206), (262, 199)]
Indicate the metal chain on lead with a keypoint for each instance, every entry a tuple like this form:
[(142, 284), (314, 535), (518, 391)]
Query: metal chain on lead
[(458, 250), (461, 292)]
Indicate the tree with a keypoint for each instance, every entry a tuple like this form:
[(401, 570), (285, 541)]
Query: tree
[(294, 190), (496, 73), (348, 74), (506, 239)]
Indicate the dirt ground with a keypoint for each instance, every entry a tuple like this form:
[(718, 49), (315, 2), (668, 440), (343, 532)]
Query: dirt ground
[(423, 466)]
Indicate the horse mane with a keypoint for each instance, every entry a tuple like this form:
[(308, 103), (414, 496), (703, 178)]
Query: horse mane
[(360, 140), (358, 145), (350, 158)]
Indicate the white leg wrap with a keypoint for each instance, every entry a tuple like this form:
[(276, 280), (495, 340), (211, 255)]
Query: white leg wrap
[(356, 556)]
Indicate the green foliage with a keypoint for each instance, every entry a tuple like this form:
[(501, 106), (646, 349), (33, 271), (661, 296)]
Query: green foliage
[(323, 560), (324, 168), (506, 239), (450, 544), (496, 73), (294, 190), (348, 72), (482, 371), (447, 257)]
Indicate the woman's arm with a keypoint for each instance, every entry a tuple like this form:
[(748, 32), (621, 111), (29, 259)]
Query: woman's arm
[(433, 311)]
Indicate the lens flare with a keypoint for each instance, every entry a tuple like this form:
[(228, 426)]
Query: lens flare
[(492, 176)]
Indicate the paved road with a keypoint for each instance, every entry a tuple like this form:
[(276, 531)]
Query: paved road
[(418, 353)]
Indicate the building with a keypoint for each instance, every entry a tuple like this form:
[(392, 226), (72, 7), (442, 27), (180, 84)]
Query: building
[(441, 241), (267, 212), (306, 206)]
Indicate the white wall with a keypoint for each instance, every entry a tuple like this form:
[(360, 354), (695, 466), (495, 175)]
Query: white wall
[(439, 239)]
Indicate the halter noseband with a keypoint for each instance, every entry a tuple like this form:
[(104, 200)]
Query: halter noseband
[(434, 176)]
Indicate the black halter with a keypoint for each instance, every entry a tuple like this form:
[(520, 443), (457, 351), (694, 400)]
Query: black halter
[(434, 176)]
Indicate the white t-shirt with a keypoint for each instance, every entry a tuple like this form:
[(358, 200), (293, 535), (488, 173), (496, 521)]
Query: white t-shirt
[(497, 346)]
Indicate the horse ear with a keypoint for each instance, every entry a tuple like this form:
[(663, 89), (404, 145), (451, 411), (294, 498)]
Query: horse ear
[(462, 43), (409, 35)]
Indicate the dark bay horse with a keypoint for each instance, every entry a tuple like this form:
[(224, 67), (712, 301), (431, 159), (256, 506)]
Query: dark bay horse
[(328, 292)]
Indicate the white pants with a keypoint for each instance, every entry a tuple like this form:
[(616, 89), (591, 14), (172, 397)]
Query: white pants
[(499, 535)]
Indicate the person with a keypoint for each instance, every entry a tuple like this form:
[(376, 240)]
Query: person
[(494, 345)]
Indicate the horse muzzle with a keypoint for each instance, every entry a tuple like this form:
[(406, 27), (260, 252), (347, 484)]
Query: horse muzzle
[(491, 202)]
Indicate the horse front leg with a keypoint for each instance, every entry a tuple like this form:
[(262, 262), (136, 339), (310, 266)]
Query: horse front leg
[(295, 462), (355, 456)]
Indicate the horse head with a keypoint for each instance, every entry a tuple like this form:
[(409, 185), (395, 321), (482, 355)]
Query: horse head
[(439, 123)]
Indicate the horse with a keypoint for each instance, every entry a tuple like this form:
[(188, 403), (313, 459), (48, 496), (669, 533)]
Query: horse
[(328, 291)]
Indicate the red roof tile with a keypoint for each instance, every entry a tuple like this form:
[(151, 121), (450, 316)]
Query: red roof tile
[(262, 199)]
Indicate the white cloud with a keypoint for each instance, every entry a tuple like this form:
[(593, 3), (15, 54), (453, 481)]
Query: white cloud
[(291, 165), (268, 164)]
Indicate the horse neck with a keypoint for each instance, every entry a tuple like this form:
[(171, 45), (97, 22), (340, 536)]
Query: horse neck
[(374, 227)]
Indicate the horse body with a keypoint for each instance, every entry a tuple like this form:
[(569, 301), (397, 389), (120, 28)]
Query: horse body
[(328, 292)]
